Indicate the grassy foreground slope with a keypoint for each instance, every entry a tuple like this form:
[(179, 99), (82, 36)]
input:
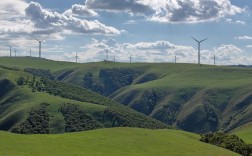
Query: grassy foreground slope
[(244, 132), (111, 142), (193, 98)]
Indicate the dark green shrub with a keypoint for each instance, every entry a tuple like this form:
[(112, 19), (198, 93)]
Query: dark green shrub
[(77, 119), (230, 142), (36, 123), (21, 81), (119, 117)]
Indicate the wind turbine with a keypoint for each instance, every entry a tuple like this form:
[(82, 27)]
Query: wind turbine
[(15, 51), (130, 58), (29, 52), (10, 51), (76, 57), (106, 59), (214, 58), (199, 42), (175, 59), (107, 54), (40, 42), (114, 58)]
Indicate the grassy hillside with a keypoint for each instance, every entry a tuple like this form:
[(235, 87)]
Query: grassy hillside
[(116, 141), (20, 107), (193, 98), (244, 132)]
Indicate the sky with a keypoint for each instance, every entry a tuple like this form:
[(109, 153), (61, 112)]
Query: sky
[(145, 30)]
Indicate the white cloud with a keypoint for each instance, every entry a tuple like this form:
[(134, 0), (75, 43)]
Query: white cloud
[(130, 6), (171, 11), (20, 21), (81, 10), (229, 20), (12, 8), (44, 19), (244, 38), (131, 22), (240, 22), (226, 55), (160, 51), (249, 46), (192, 11)]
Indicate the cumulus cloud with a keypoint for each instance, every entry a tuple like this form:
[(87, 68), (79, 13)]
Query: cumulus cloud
[(81, 10), (12, 8), (226, 54), (12, 17), (171, 11), (159, 51), (21, 19), (240, 22), (44, 19), (229, 20), (191, 11), (244, 38), (131, 6)]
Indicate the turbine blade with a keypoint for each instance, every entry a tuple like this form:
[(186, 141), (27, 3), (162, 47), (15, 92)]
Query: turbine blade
[(195, 39), (203, 40), (34, 38)]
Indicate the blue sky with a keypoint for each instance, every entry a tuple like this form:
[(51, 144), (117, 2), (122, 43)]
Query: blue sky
[(147, 30)]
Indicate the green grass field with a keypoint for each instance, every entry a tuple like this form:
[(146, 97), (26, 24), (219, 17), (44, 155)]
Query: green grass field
[(244, 132), (110, 142)]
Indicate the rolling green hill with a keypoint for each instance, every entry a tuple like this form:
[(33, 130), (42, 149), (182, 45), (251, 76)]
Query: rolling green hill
[(111, 142), (244, 132), (192, 98), (31, 104)]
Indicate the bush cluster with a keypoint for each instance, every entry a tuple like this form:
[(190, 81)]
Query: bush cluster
[(119, 117), (110, 80), (148, 101), (36, 123), (73, 92), (169, 113), (230, 142), (77, 119)]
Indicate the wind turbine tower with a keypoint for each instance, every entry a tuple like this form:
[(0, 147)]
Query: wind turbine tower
[(40, 42), (199, 42), (130, 59), (106, 55), (114, 58), (15, 51), (175, 59), (76, 57), (30, 52), (10, 51), (214, 59)]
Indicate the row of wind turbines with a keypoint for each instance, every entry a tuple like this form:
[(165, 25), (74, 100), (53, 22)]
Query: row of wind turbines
[(106, 60), (199, 55), (30, 52)]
